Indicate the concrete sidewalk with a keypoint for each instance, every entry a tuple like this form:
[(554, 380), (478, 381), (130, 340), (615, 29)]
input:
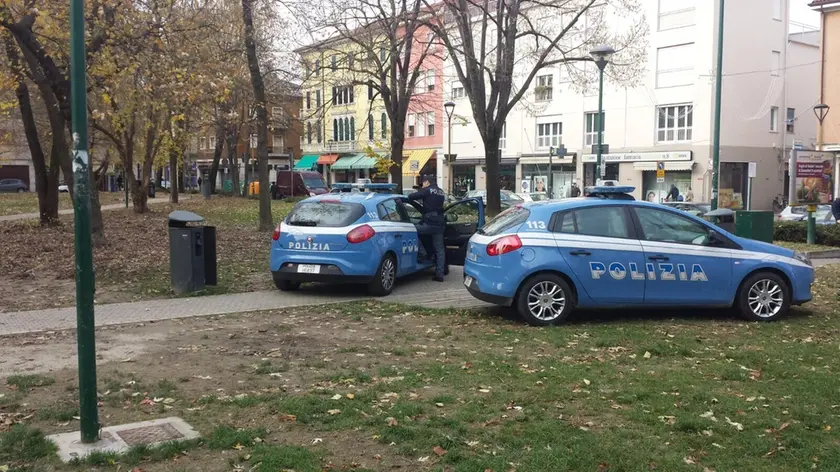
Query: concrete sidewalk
[(111, 206), (419, 290)]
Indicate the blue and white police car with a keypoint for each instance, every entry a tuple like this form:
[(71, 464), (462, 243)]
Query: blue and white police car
[(362, 236), (607, 250)]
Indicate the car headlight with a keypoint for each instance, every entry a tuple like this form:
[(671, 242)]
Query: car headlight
[(802, 257), (311, 194)]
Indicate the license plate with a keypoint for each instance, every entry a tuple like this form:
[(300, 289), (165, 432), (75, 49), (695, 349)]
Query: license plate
[(468, 281), (309, 269)]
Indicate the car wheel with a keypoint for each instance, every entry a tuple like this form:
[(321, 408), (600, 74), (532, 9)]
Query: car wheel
[(21, 190), (386, 275), (544, 300), (286, 285), (763, 297)]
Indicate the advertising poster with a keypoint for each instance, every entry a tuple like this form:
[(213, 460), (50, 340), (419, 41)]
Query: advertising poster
[(814, 180), (540, 183)]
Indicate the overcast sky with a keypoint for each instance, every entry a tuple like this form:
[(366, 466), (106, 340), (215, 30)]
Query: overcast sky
[(801, 13)]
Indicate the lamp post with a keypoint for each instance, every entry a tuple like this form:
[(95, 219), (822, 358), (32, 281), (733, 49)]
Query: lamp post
[(601, 56), (821, 111), (450, 108)]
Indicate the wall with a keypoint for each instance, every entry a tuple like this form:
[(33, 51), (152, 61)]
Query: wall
[(831, 87)]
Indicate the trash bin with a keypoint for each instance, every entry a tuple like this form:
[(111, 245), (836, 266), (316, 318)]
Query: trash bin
[(724, 218), (151, 189), (192, 252), (756, 225)]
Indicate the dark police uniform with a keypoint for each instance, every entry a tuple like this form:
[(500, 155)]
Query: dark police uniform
[(433, 223)]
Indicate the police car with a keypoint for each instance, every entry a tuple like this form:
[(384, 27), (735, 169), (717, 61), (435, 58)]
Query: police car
[(365, 237), (548, 258)]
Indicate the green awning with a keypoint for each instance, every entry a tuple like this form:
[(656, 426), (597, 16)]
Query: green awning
[(346, 162), (306, 162), (364, 162)]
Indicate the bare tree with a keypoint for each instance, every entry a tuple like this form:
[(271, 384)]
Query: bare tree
[(497, 48), (383, 46)]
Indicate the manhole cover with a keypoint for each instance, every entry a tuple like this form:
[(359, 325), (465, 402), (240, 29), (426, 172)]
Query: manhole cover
[(149, 434)]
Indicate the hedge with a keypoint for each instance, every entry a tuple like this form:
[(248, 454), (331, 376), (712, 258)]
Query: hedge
[(797, 232)]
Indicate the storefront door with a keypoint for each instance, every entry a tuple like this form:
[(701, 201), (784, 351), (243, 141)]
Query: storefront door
[(463, 179), (658, 192)]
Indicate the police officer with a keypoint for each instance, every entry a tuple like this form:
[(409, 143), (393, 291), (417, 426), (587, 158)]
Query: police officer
[(433, 223)]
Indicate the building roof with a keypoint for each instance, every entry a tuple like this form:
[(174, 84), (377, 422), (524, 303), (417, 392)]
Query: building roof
[(809, 38), (823, 3)]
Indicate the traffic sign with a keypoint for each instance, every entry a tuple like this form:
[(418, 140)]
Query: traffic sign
[(660, 170), (660, 180)]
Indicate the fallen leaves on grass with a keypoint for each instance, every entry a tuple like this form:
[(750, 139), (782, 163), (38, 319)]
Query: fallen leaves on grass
[(334, 412), (439, 451), (737, 426)]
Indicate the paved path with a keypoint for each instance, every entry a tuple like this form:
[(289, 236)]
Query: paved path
[(822, 262), (416, 290), (111, 206)]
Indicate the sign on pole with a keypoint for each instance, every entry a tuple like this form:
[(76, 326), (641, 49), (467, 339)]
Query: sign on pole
[(660, 171)]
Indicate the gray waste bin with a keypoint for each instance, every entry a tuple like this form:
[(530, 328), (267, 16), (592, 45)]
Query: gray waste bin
[(192, 252)]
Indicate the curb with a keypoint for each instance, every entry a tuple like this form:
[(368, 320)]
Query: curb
[(826, 254)]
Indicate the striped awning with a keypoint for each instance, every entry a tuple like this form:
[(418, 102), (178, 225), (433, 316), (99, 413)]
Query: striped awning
[(327, 159), (676, 165), (415, 160)]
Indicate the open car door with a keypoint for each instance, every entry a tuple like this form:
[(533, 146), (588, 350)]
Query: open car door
[(463, 219)]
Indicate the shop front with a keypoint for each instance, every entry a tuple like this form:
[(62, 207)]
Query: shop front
[(324, 164), (463, 178), (639, 170), (535, 175), (352, 167), (417, 163), (733, 185), (507, 176)]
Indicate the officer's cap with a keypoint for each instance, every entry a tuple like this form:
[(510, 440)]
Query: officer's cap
[(428, 178)]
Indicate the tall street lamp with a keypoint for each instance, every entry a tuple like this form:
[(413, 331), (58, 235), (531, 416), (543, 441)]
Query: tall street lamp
[(821, 111), (601, 56), (450, 108)]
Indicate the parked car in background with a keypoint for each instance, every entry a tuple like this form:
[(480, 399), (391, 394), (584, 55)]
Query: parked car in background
[(63, 188), (509, 198), (13, 185), (306, 184), (693, 208), (800, 213)]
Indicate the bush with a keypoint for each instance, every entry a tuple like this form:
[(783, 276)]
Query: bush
[(797, 232)]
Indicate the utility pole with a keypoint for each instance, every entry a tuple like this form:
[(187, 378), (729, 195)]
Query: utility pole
[(718, 97), (84, 249)]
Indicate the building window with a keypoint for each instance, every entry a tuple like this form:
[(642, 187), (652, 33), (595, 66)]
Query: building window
[(202, 143), (430, 123), (212, 143), (777, 9), (430, 80), (676, 14), (352, 135), (674, 123), (549, 135), (350, 59), (774, 119), (383, 54), (544, 90), (317, 65), (383, 127), (343, 95), (457, 92), (775, 63), (590, 124), (318, 131), (277, 143), (790, 120), (308, 100), (409, 123), (675, 66), (370, 127), (309, 132), (317, 99), (335, 129), (276, 112), (503, 137), (370, 92), (333, 62)]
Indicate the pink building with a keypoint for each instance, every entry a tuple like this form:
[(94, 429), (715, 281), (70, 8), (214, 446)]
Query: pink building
[(424, 121)]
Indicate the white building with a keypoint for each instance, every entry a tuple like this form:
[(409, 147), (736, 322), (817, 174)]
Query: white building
[(770, 76)]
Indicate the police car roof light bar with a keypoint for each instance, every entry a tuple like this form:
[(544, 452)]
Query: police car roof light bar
[(609, 189)]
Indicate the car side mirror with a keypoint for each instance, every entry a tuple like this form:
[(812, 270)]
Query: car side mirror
[(451, 217)]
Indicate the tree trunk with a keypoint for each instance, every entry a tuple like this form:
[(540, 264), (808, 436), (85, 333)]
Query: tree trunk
[(47, 200), (266, 220), (173, 165), (397, 144), (233, 162), (217, 156), (492, 157)]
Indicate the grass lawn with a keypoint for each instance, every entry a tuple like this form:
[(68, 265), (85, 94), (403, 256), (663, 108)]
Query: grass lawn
[(372, 386), (803, 247), (37, 264), (18, 203)]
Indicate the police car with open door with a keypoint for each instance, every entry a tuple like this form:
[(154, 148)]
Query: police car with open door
[(607, 250), (365, 237)]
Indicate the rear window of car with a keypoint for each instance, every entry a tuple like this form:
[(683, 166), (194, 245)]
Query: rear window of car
[(513, 216), (326, 214)]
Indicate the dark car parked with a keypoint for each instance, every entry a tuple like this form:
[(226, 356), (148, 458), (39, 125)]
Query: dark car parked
[(13, 185)]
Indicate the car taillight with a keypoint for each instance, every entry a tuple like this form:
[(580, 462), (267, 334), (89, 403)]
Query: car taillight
[(360, 234), (504, 245), (276, 234)]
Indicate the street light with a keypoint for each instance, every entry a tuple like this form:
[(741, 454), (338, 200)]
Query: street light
[(821, 111), (601, 56), (450, 108)]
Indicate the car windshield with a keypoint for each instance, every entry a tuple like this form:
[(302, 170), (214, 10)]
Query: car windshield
[(803, 209), (327, 214), (313, 182), (506, 220), (506, 196)]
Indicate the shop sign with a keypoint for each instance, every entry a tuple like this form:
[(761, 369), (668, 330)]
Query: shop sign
[(640, 157)]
